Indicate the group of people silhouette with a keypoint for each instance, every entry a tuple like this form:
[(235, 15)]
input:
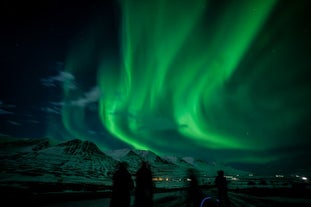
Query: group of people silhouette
[(123, 186), (197, 198)]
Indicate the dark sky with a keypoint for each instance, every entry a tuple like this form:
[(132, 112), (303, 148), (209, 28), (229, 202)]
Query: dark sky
[(221, 80)]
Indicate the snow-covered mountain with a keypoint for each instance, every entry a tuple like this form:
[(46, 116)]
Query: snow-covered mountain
[(74, 161), (82, 162)]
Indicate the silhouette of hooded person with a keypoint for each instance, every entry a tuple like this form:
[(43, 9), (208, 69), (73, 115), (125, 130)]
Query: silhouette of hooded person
[(144, 186), (195, 194), (122, 186), (222, 186)]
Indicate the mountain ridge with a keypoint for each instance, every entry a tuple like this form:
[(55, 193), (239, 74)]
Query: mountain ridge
[(81, 161)]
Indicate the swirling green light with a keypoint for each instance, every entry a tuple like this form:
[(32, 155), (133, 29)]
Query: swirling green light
[(168, 86), (172, 67)]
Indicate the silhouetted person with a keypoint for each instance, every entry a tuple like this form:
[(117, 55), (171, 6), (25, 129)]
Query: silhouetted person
[(222, 186), (122, 187), (195, 194), (144, 186)]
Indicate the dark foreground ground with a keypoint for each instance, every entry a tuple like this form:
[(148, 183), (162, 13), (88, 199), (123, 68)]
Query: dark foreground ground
[(249, 197)]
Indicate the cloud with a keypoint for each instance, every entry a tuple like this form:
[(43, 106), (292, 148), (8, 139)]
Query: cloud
[(62, 77), (92, 132), (33, 121), (14, 123), (2, 111), (89, 97), (53, 110), (4, 107), (4, 135)]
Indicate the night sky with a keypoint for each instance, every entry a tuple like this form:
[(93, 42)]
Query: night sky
[(228, 81)]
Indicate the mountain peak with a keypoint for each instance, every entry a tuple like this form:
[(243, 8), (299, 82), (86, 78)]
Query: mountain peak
[(77, 146), (119, 153), (189, 160)]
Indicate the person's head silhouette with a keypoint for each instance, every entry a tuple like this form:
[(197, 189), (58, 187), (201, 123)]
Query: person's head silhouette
[(123, 166), (220, 173)]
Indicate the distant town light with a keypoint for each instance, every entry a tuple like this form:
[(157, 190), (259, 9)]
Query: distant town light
[(157, 179), (279, 176), (304, 178)]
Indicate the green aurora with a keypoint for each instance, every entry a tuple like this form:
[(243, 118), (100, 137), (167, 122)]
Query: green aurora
[(196, 76)]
